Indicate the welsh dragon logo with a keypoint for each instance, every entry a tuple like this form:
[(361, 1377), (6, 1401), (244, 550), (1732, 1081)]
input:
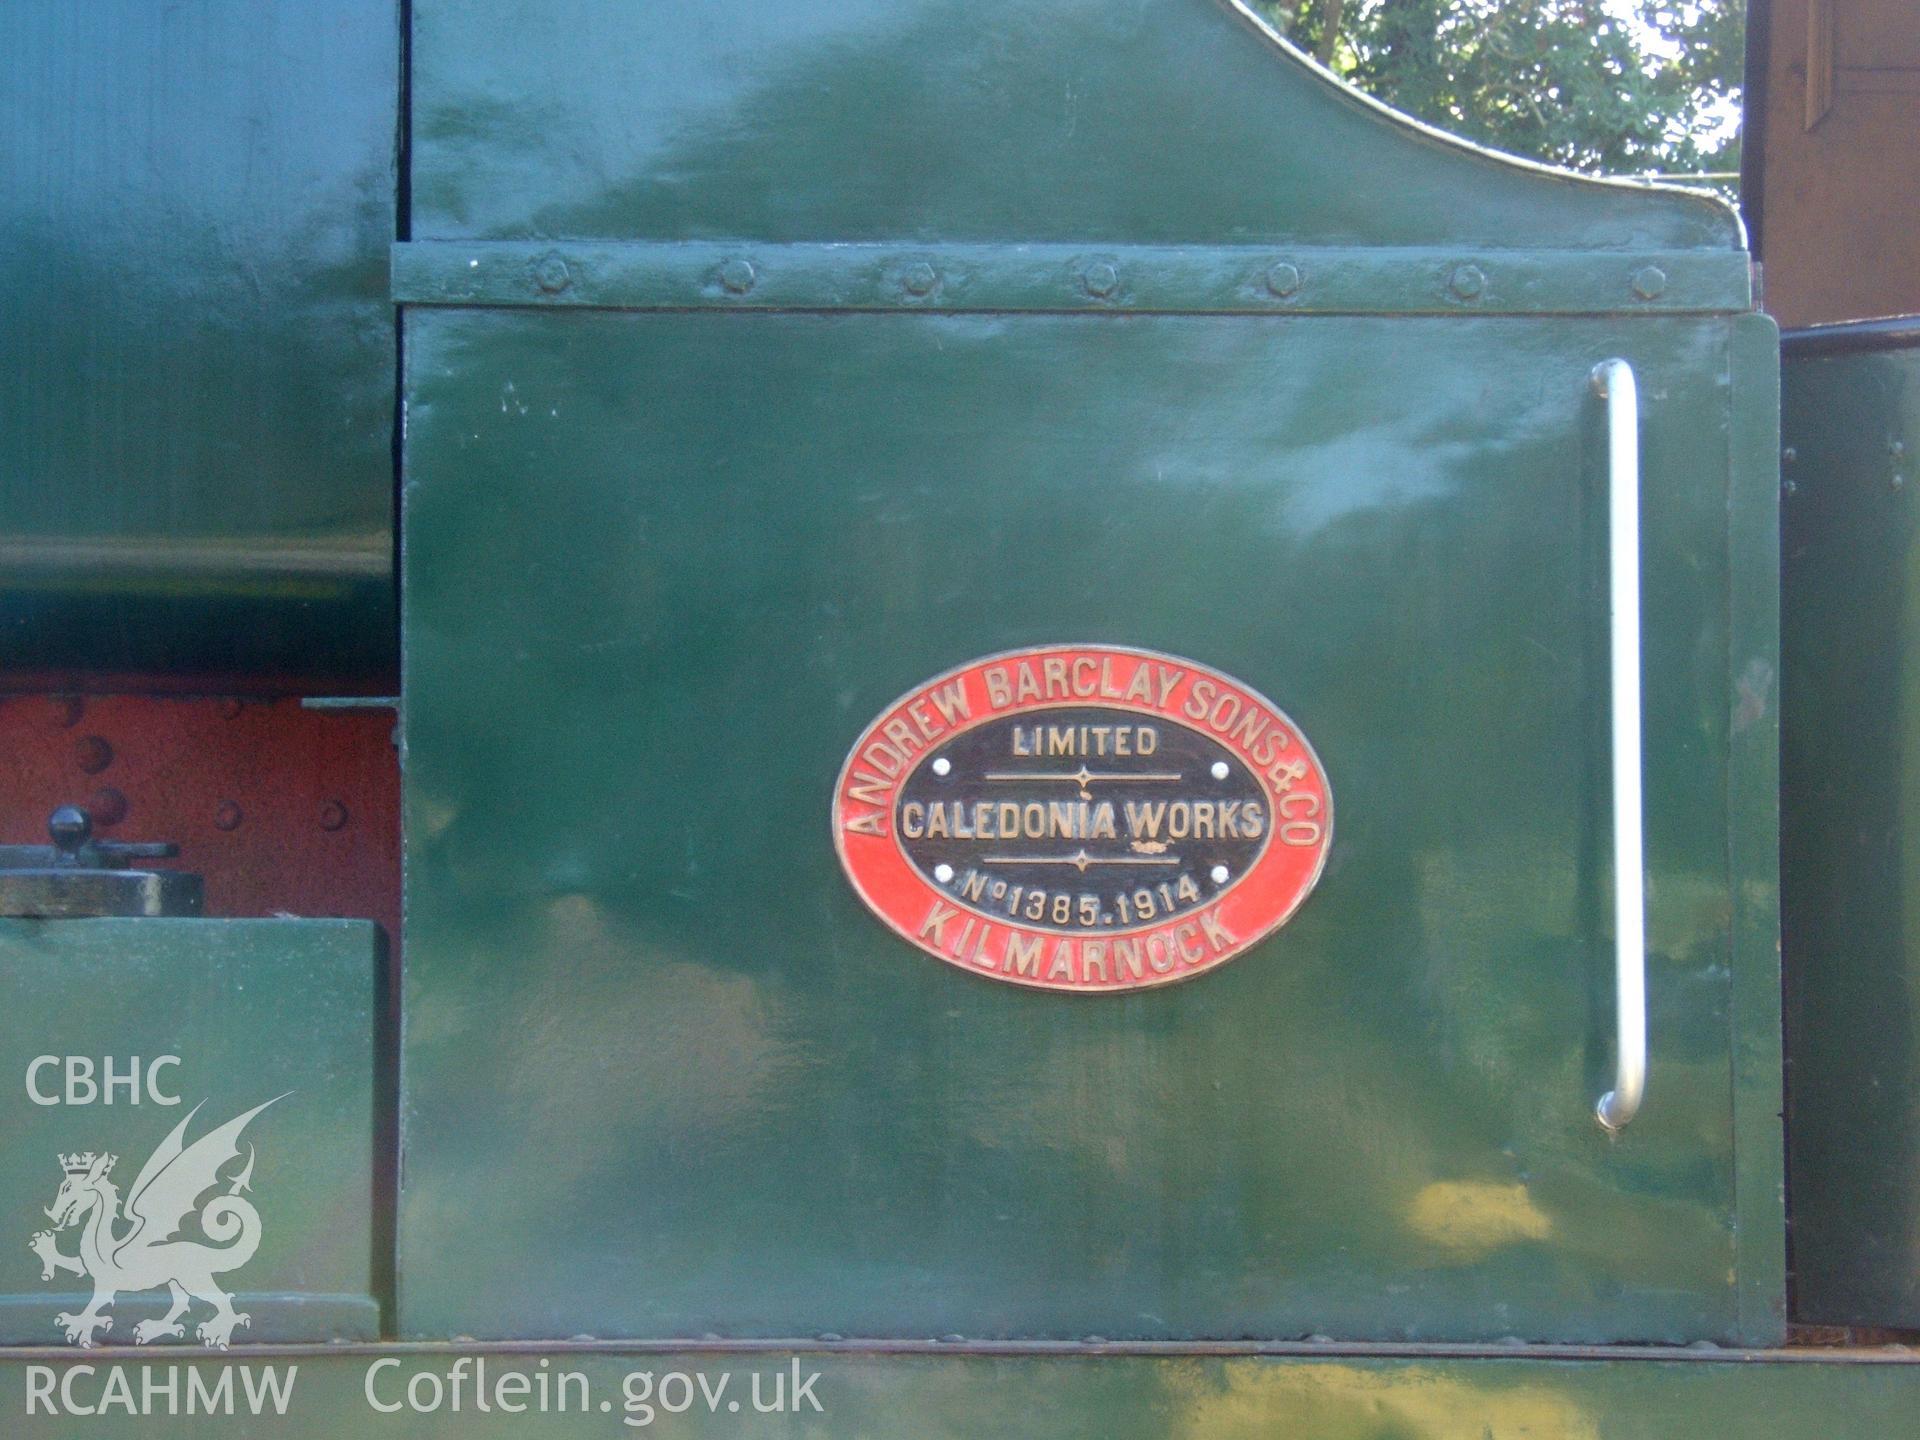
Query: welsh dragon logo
[(140, 1249)]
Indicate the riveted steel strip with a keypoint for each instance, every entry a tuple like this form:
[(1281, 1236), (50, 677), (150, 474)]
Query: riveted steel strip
[(1066, 278)]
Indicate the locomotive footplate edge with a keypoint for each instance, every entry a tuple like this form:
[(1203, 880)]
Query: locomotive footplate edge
[(962, 1388)]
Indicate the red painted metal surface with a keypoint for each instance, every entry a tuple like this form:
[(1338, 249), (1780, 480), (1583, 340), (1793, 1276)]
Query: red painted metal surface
[(283, 810)]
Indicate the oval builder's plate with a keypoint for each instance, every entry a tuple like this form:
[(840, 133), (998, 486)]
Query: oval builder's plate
[(1083, 817)]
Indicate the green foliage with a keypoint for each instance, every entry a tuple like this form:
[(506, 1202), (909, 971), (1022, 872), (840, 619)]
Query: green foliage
[(1570, 82)]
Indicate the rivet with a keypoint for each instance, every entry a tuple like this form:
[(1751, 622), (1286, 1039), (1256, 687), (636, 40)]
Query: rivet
[(1283, 279), (333, 816), (107, 806), (227, 817), (92, 753), (1649, 281), (737, 276), (230, 709), (551, 274), (1898, 480), (1101, 280), (1787, 487), (1789, 455), (918, 279), (1467, 281), (67, 710), (1896, 448)]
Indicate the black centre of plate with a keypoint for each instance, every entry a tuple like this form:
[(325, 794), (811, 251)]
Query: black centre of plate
[(1082, 818)]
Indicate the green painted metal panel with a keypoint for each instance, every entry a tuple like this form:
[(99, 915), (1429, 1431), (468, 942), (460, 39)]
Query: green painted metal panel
[(662, 568), (249, 1010), (353, 1390), (1128, 121), (1850, 852), (196, 471)]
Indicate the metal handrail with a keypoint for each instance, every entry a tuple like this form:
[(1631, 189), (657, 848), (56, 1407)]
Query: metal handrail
[(1613, 381)]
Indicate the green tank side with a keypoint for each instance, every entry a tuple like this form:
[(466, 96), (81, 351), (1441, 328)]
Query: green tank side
[(762, 364), (1850, 818), (196, 434)]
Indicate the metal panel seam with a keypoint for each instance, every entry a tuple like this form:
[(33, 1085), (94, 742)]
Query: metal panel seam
[(1753, 826), (1052, 277)]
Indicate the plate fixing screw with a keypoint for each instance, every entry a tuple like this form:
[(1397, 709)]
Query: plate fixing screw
[(551, 274), (1467, 281), (1649, 282), (1283, 279), (737, 277), (1101, 280), (333, 816), (918, 279), (93, 754)]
